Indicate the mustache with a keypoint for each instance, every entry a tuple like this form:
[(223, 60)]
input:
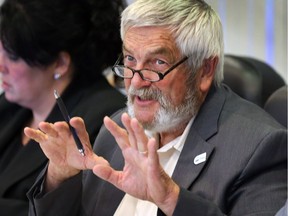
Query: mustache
[(146, 93)]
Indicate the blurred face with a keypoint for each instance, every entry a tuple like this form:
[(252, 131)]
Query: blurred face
[(160, 106), (21, 83)]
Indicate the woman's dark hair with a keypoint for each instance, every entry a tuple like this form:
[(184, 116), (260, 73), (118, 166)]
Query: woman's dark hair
[(38, 30)]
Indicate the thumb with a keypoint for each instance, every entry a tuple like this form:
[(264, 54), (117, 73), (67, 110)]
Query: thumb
[(107, 173)]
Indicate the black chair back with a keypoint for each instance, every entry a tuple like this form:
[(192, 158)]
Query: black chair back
[(243, 78), (276, 105)]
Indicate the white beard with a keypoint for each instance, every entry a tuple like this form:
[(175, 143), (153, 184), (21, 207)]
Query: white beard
[(169, 117)]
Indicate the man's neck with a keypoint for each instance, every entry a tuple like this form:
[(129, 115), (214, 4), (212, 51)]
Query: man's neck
[(167, 137)]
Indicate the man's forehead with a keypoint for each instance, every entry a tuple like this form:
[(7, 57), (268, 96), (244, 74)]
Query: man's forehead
[(149, 34), (150, 50), (154, 41)]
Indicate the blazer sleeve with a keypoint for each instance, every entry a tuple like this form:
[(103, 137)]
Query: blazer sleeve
[(261, 189), (65, 200)]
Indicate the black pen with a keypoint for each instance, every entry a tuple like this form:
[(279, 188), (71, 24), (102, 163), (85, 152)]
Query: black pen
[(67, 119)]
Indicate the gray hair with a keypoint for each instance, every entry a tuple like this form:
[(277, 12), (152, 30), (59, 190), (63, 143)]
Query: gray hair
[(195, 25)]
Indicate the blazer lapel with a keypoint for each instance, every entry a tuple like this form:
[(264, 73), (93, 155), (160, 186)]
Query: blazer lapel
[(11, 123), (22, 165), (194, 156), (197, 151)]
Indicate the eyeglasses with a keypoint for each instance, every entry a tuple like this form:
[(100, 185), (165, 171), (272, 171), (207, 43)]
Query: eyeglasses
[(146, 74)]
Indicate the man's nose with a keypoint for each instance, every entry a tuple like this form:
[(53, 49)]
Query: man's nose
[(138, 82)]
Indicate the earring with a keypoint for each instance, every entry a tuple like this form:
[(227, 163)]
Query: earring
[(57, 76)]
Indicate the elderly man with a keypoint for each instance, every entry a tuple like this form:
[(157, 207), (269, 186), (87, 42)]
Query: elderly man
[(185, 145)]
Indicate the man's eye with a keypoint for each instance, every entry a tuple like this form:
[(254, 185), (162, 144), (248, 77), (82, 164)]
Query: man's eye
[(129, 61), (129, 58), (160, 62)]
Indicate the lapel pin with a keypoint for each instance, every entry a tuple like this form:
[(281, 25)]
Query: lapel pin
[(200, 158)]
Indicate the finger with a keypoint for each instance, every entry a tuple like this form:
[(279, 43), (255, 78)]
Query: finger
[(93, 160), (119, 133), (160, 184), (48, 129), (34, 134), (153, 158), (107, 173), (141, 138), (79, 125), (155, 171), (126, 120)]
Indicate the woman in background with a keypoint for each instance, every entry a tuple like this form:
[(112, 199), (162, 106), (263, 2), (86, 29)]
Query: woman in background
[(46, 45)]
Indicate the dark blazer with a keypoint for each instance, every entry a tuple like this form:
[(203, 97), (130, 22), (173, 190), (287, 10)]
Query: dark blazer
[(245, 171), (91, 103)]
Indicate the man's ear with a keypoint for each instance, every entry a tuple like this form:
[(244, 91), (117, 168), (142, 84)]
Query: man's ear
[(207, 75), (63, 63)]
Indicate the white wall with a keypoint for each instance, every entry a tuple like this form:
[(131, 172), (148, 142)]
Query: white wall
[(255, 28)]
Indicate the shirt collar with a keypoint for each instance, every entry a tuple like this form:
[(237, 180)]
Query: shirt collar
[(177, 143)]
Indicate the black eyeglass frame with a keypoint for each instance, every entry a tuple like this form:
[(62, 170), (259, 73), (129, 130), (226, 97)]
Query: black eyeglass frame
[(160, 74)]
